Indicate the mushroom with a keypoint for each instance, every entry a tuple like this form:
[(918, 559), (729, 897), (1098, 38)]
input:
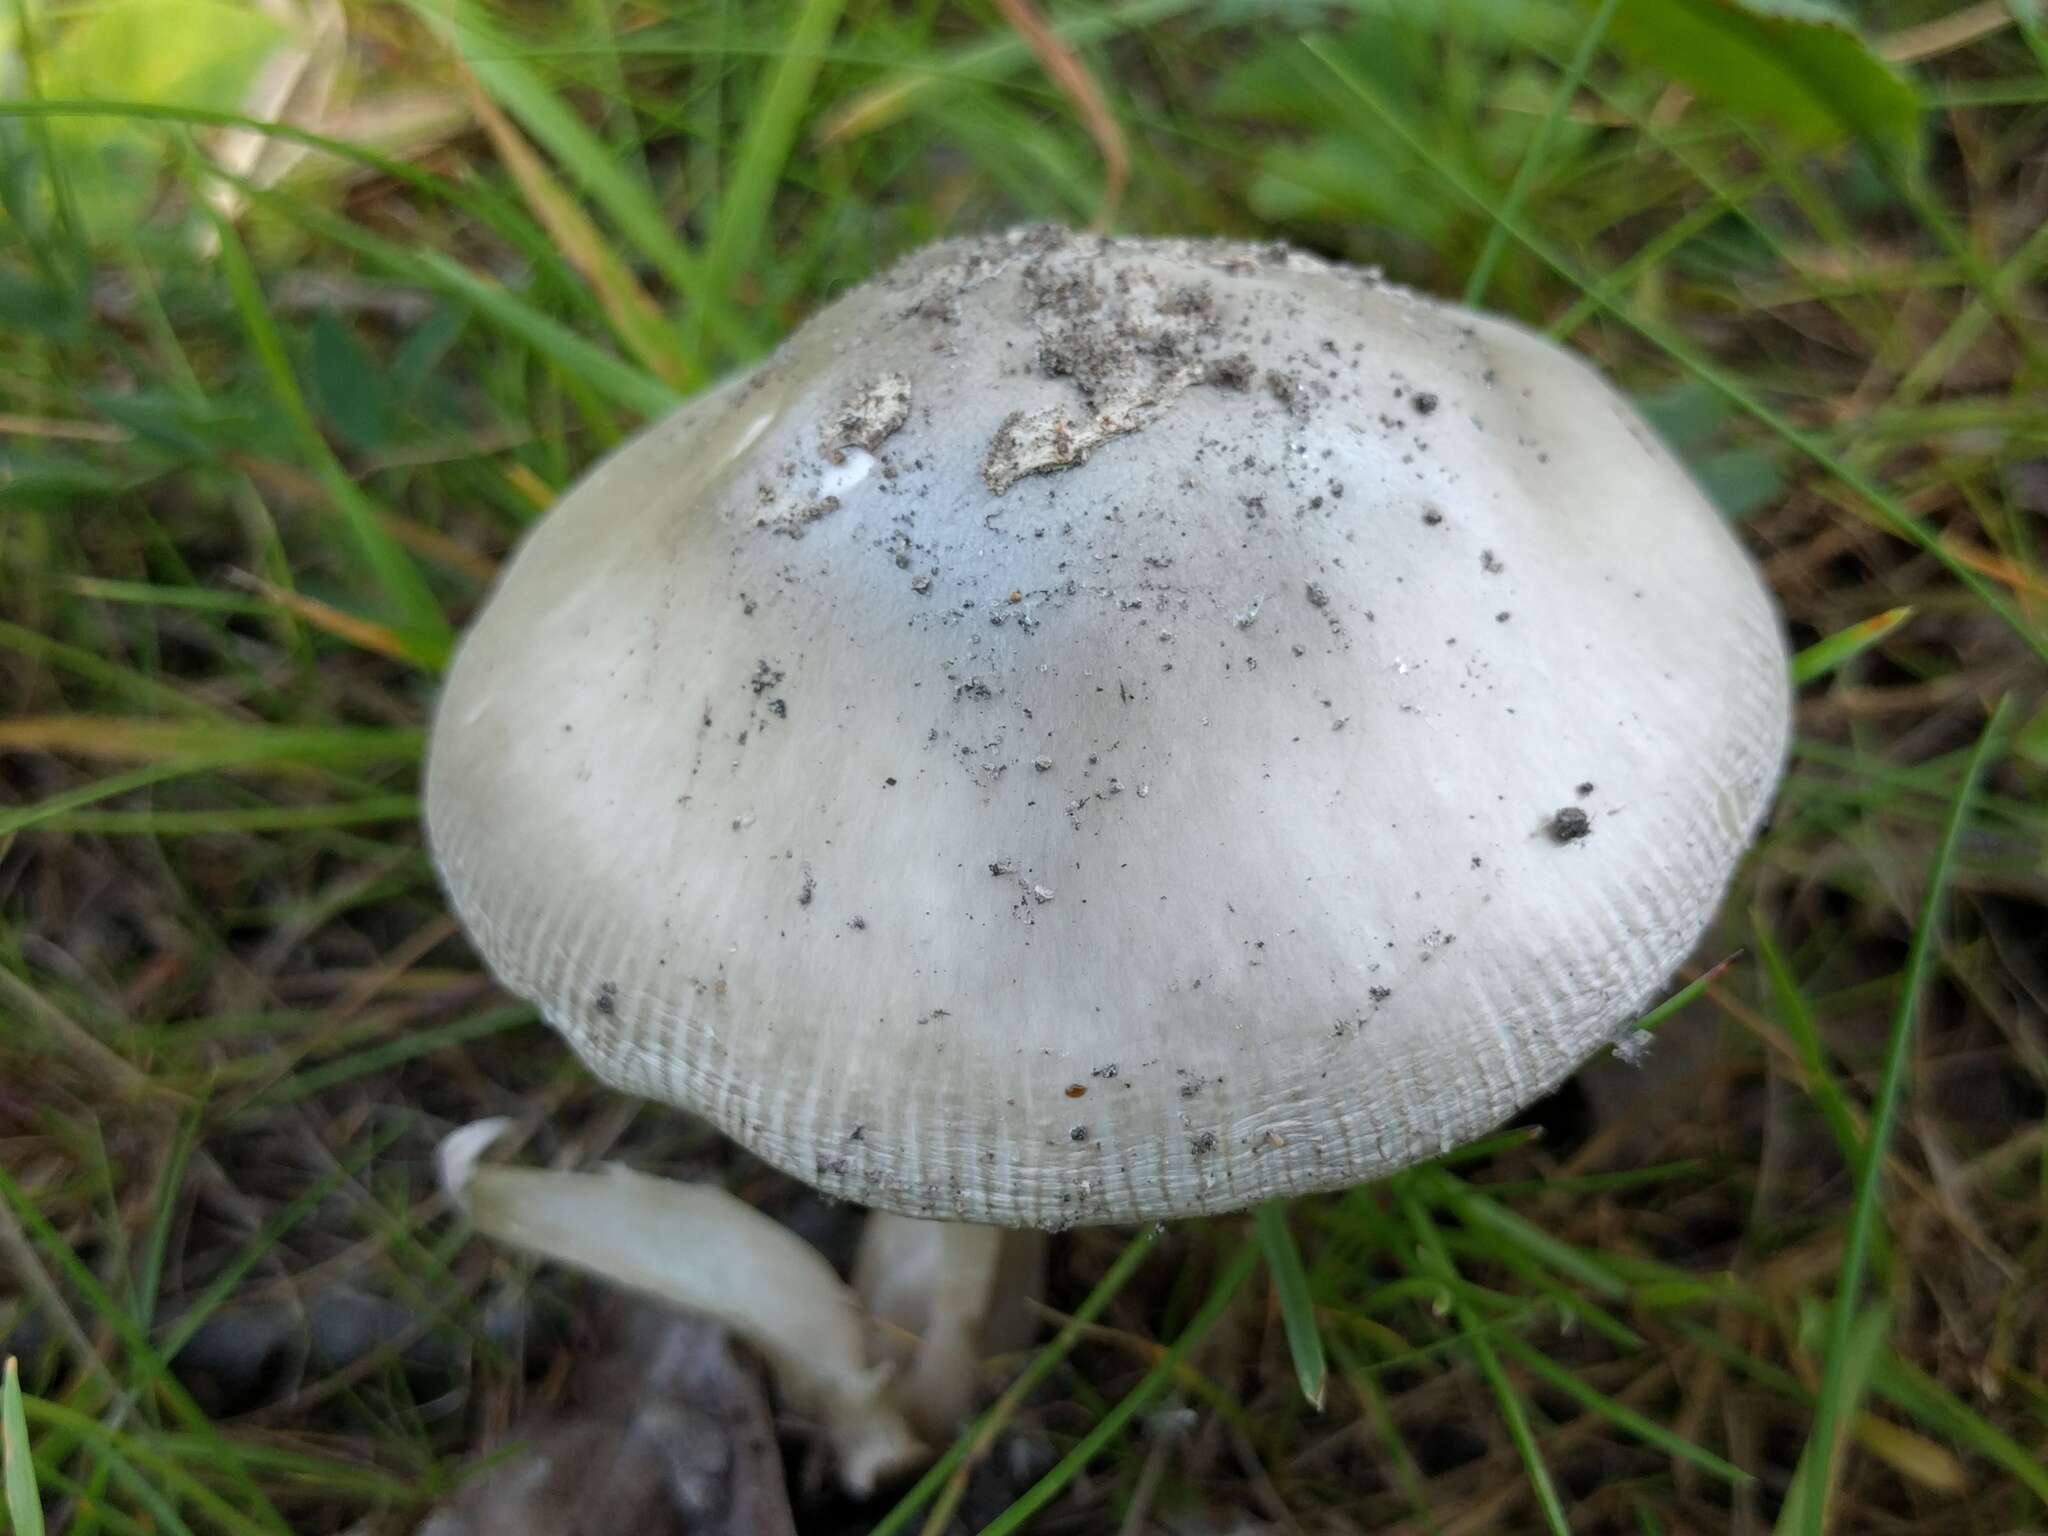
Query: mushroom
[(1096, 730)]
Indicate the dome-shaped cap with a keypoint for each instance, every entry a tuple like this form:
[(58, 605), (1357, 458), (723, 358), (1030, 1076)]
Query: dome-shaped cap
[(1097, 729)]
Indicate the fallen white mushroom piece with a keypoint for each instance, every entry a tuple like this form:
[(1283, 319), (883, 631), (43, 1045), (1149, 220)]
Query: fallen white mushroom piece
[(698, 1248)]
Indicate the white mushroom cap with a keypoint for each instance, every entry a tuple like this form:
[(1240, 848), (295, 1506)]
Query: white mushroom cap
[(1081, 733)]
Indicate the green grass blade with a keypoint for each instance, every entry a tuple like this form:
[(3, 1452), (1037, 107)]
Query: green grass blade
[(1806, 1494), (196, 599), (1825, 656), (212, 749), (990, 61), (142, 1465), (1017, 1517), (370, 811), (1914, 1392), (406, 1047), (1484, 1214), (1832, 1405), (599, 171), (125, 681), (1042, 1366), (1297, 1307), (1369, 1393), (258, 1514), (58, 806), (1436, 1262), (615, 379), (1794, 1013), (223, 1285), (1623, 1417), (395, 575), (156, 1243), (1687, 995), (1532, 158), (27, 56), (17, 1466), (771, 128), (606, 374)]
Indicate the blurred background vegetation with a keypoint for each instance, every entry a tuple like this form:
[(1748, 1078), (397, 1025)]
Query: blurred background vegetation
[(313, 306)]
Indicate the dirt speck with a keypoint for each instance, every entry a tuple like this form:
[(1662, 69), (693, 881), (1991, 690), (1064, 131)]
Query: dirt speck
[(1234, 372), (1424, 403), (1317, 597), (794, 525), (1570, 824), (1077, 1090)]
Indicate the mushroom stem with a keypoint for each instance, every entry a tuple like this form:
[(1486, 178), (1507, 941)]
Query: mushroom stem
[(697, 1247), (943, 1295)]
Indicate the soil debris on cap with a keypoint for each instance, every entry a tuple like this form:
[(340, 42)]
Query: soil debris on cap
[(1129, 342), (1570, 824), (869, 417), (794, 525)]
